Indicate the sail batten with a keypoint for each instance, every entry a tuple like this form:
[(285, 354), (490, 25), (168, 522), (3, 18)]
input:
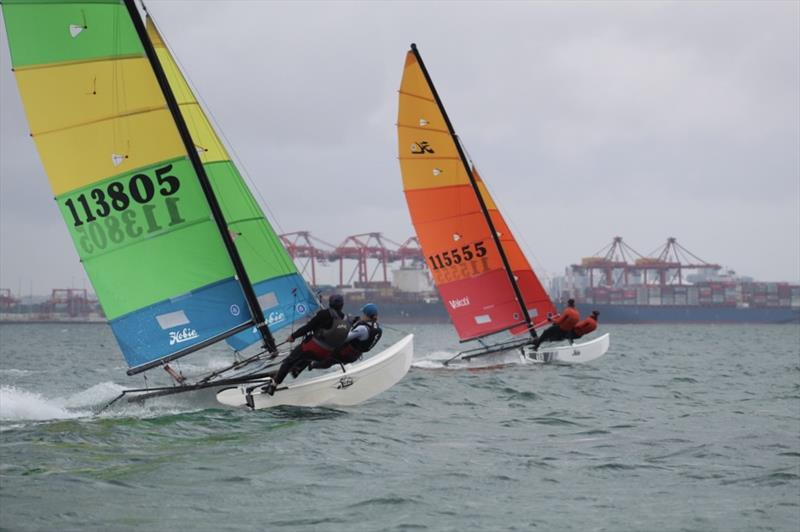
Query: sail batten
[(27, 68), (423, 128), (77, 125), (483, 278)]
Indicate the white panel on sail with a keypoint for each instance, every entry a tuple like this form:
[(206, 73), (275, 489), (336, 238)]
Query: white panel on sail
[(173, 319), (268, 300)]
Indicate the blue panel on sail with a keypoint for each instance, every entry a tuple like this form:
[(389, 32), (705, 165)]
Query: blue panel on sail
[(284, 301), (169, 326)]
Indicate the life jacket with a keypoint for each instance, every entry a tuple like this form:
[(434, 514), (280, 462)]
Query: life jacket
[(567, 320), (585, 326), (334, 336), (375, 333)]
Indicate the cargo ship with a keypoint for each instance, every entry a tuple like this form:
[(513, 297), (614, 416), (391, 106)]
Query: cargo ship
[(672, 286)]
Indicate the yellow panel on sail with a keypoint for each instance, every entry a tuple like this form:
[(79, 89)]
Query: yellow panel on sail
[(421, 173), (420, 112), (76, 157), (88, 92), (205, 139)]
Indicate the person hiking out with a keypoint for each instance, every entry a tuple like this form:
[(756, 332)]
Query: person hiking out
[(585, 326), (562, 325), (322, 335), (363, 336)]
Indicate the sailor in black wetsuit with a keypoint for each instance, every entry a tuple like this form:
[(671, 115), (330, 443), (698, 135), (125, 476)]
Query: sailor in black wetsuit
[(363, 336), (324, 333)]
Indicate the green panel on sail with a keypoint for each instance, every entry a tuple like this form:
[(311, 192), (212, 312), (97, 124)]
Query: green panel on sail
[(121, 177)]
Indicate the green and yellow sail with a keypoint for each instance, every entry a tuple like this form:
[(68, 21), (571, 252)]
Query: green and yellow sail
[(132, 201)]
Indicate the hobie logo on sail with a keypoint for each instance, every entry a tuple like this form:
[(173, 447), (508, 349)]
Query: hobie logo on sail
[(177, 337), (421, 147), (275, 317), (458, 303)]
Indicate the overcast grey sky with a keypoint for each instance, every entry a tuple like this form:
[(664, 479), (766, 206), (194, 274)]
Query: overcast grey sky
[(587, 119)]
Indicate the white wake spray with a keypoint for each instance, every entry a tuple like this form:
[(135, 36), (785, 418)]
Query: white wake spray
[(433, 360), (22, 405)]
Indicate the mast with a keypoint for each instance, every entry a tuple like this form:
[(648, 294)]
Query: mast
[(477, 191), (216, 210)]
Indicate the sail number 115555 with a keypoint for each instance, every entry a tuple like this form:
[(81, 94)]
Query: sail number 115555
[(457, 256)]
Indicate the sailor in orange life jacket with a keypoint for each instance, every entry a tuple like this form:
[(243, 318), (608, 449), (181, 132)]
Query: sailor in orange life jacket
[(562, 325), (585, 326), (324, 334)]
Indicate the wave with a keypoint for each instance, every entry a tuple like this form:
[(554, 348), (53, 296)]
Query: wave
[(15, 372), (19, 405), (22, 405), (434, 360)]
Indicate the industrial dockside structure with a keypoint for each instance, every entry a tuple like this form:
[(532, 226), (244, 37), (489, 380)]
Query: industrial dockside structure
[(64, 305), (364, 262), (671, 285)]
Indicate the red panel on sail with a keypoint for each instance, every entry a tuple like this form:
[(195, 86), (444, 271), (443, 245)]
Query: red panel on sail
[(481, 305)]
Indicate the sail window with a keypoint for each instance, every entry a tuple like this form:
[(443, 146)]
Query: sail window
[(456, 237), (172, 319), (437, 171), (268, 300), (423, 122), (75, 30), (483, 319), (117, 159)]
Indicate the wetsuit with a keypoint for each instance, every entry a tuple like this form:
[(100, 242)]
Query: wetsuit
[(329, 328), (361, 338)]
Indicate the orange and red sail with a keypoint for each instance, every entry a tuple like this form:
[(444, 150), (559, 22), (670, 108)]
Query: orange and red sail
[(484, 279)]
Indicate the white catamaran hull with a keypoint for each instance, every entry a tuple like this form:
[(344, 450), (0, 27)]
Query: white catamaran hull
[(562, 354), (360, 382), (570, 354)]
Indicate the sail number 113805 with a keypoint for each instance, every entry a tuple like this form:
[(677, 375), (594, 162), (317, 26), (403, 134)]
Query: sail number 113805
[(117, 196), (457, 256)]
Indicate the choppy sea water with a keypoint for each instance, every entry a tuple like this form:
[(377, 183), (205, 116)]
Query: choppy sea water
[(676, 428)]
